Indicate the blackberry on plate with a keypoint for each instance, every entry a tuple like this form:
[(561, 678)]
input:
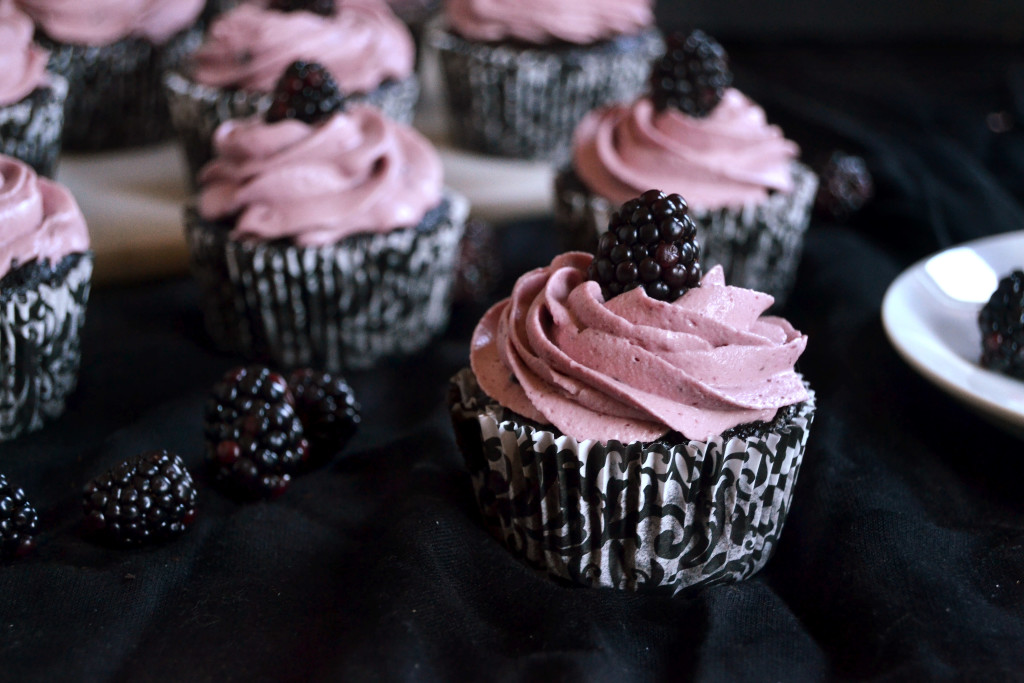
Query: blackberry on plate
[(692, 75), (147, 498), (327, 408), (1002, 327), (651, 242), (255, 441), (325, 8), (846, 185), (306, 92), (18, 522), (478, 268)]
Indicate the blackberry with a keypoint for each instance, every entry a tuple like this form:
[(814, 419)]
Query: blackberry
[(327, 408), (478, 268), (650, 243), (306, 92), (846, 185), (325, 8), (18, 522), (1002, 327), (254, 439), (692, 75), (144, 499)]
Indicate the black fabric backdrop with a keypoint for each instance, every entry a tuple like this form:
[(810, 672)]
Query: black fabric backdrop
[(902, 559)]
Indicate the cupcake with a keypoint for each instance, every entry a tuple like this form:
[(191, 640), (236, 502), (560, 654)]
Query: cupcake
[(326, 240), (639, 440), (232, 75), (521, 75), (695, 135), (45, 266), (113, 54)]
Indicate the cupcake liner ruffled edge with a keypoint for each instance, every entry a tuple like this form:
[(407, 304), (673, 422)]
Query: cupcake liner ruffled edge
[(30, 130)]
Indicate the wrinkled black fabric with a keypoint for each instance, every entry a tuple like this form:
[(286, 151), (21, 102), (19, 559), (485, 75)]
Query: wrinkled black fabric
[(902, 558)]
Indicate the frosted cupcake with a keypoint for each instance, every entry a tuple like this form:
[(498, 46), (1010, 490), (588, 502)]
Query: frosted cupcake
[(364, 46), (521, 75), (699, 137), (45, 269), (113, 54), (631, 441)]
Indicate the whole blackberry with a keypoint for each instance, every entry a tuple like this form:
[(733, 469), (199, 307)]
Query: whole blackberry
[(478, 267), (325, 8), (650, 243), (327, 408), (18, 522), (845, 186), (1002, 327), (147, 498), (306, 92), (254, 439), (692, 75)]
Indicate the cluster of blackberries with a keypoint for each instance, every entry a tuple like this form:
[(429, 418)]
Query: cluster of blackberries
[(305, 92), (1002, 327), (692, 75)]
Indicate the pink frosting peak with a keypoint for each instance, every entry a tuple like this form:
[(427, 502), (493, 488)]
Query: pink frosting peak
[(316, 184), (22, 64), (249, 47), (543, 21), (731, 158), (39, 219), (101, 22), (634, 368)]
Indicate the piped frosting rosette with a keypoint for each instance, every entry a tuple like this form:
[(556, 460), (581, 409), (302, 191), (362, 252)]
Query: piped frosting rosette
[(540, 21), (22, 63), (102, 22)]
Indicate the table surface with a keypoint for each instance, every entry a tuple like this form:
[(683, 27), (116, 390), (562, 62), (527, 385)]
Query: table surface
[(902, 557)]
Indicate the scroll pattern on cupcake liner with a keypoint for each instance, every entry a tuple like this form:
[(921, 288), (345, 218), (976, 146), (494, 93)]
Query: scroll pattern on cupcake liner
[(30, 130), (631, 516), (40, 347)]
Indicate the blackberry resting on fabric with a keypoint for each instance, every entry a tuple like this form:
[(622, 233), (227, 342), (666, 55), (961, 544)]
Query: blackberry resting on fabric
[(147, 498), (19, 522), (651, 242), (692, 75), (846, 185), (1002, 327), (325, 8), (327, 408), (306, 92)]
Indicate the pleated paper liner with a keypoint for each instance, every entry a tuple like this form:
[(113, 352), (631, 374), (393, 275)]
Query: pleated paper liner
[(30, 130)]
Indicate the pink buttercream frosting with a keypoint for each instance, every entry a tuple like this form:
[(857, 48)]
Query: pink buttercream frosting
[(22, 64), (543, 21), (362, 46), (39, 219), (634, 368), (316, 184), (101, 22), (730, 158)]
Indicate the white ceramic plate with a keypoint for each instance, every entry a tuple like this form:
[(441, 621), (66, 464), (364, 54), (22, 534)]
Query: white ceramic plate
[(930, 313)]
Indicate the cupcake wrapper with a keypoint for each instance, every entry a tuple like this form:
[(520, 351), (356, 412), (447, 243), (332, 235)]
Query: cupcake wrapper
[(30, 130), (115, 92), (197, 110), (631, 516), (40, 324), (759, 247), (338, 306), (525, 102)]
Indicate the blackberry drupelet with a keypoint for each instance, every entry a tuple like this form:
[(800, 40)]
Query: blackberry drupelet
[(18, 522), (846, 185), (327, 408), (1002, 327), (254, 438), (692, 75), (325, 8), (306, 92), (652, 243), (147, 498)]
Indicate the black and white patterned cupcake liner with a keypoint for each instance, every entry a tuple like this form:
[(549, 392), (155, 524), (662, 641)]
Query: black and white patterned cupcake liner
[(338, 306), (759, 247), (524, 102), (658, 516), (30, 130), (115, 92), (197, 110), (42, 310)]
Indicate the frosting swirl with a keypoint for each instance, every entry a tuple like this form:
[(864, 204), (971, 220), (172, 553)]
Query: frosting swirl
[(316, 184), (634, 368), (731, 158), (22, 64), (101, 22), (249, 47), (541, 21), (39, 219)]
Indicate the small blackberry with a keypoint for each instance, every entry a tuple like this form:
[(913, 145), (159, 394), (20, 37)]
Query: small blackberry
[(147, 498), (254, 439), (845, 186), (306, 92), (692, 75), (478, 268), (652, 243), (18, 522), (325, 8), (327, 408), (1002, 327)]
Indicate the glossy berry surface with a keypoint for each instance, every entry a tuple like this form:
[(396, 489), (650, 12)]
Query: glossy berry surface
[(1002, 327), (19, 522), (651, 242), (845, 186), (305, 92), (692, 75), (325, 8), (327, 408)]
